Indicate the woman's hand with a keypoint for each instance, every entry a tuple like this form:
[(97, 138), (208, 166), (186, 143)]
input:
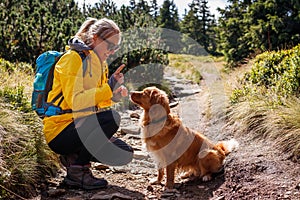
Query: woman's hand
[(118, 75), (119, 93), (122, 90)]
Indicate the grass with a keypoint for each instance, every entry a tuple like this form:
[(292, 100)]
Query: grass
[(259, 119), (262, 106), (187, 66), (25, 158)]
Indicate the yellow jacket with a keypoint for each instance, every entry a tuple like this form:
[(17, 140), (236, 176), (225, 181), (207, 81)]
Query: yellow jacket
[(79, 91)]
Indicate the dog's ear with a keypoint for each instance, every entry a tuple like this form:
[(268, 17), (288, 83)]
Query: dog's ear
[(160, 97), (156, 112)]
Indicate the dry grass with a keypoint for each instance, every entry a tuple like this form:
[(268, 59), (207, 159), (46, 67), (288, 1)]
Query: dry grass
[(260, 118), (24, 156), (16, 74), (265, 114), (188, 66)]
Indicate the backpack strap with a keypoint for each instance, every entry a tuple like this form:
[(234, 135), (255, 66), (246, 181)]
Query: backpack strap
[(56, 98), (50, 78)]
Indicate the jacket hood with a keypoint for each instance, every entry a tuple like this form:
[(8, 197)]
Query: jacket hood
[(77, 44)]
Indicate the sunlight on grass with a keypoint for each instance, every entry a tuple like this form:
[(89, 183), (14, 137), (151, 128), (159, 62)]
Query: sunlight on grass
[(259, 118), (16, 75), (25, 158), (264, 100), (190, 66), (183, 66)]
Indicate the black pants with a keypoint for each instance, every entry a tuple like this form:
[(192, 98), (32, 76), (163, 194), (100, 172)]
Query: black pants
[(91, 139)]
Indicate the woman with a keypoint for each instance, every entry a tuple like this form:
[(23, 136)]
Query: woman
[(84, 133)]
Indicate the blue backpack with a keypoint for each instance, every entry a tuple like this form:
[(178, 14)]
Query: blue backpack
[(43, 82)]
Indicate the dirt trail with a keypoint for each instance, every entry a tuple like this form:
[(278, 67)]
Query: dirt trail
[(255, 171)]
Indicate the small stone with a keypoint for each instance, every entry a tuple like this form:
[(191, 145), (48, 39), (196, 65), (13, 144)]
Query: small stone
[(140, 155), (134, 115), (201, 187), (75, 198), (165, 195), (150, 188), (220, 198), (298, 186), (100, 167), (115, 195), (132, 130), (56, 192), (133, 136), (169, 193), (173, 104), (152, 197)]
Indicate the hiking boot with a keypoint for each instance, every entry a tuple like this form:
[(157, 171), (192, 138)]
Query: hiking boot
[(68, 160), (81, 176)]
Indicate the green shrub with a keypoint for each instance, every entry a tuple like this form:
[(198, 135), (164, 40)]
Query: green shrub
[(276, 72), (15, 96), (12, 67)]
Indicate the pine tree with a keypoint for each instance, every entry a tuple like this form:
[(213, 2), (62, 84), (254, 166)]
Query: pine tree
[(231, 38), (31, 27), (168, 17), (104, 8), (132, 4), (273, 24), (198, 24), (154, 9), (205, 22), (190, 25), (142, 7), (140, 45), (250, 27)]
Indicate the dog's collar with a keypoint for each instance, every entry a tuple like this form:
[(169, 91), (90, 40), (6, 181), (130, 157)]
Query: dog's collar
[(159, 120)]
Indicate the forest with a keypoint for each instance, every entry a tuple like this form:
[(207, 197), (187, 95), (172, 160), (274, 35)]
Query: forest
[(258, 39), (245, 27)]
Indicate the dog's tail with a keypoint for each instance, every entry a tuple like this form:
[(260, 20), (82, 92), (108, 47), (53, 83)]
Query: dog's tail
[(228, 146)]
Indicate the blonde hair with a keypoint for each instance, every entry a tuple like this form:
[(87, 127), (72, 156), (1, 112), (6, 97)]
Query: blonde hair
[(103, 28)]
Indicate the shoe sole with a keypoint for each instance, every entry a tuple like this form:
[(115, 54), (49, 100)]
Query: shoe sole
[(86, 187)]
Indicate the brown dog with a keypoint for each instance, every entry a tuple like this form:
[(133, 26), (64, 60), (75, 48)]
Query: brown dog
[(174, 146)]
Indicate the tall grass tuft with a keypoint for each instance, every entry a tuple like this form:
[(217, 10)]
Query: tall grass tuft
[(261, 119), (25, 159)]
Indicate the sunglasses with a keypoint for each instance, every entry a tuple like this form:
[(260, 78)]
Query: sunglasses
[(111, 46)]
